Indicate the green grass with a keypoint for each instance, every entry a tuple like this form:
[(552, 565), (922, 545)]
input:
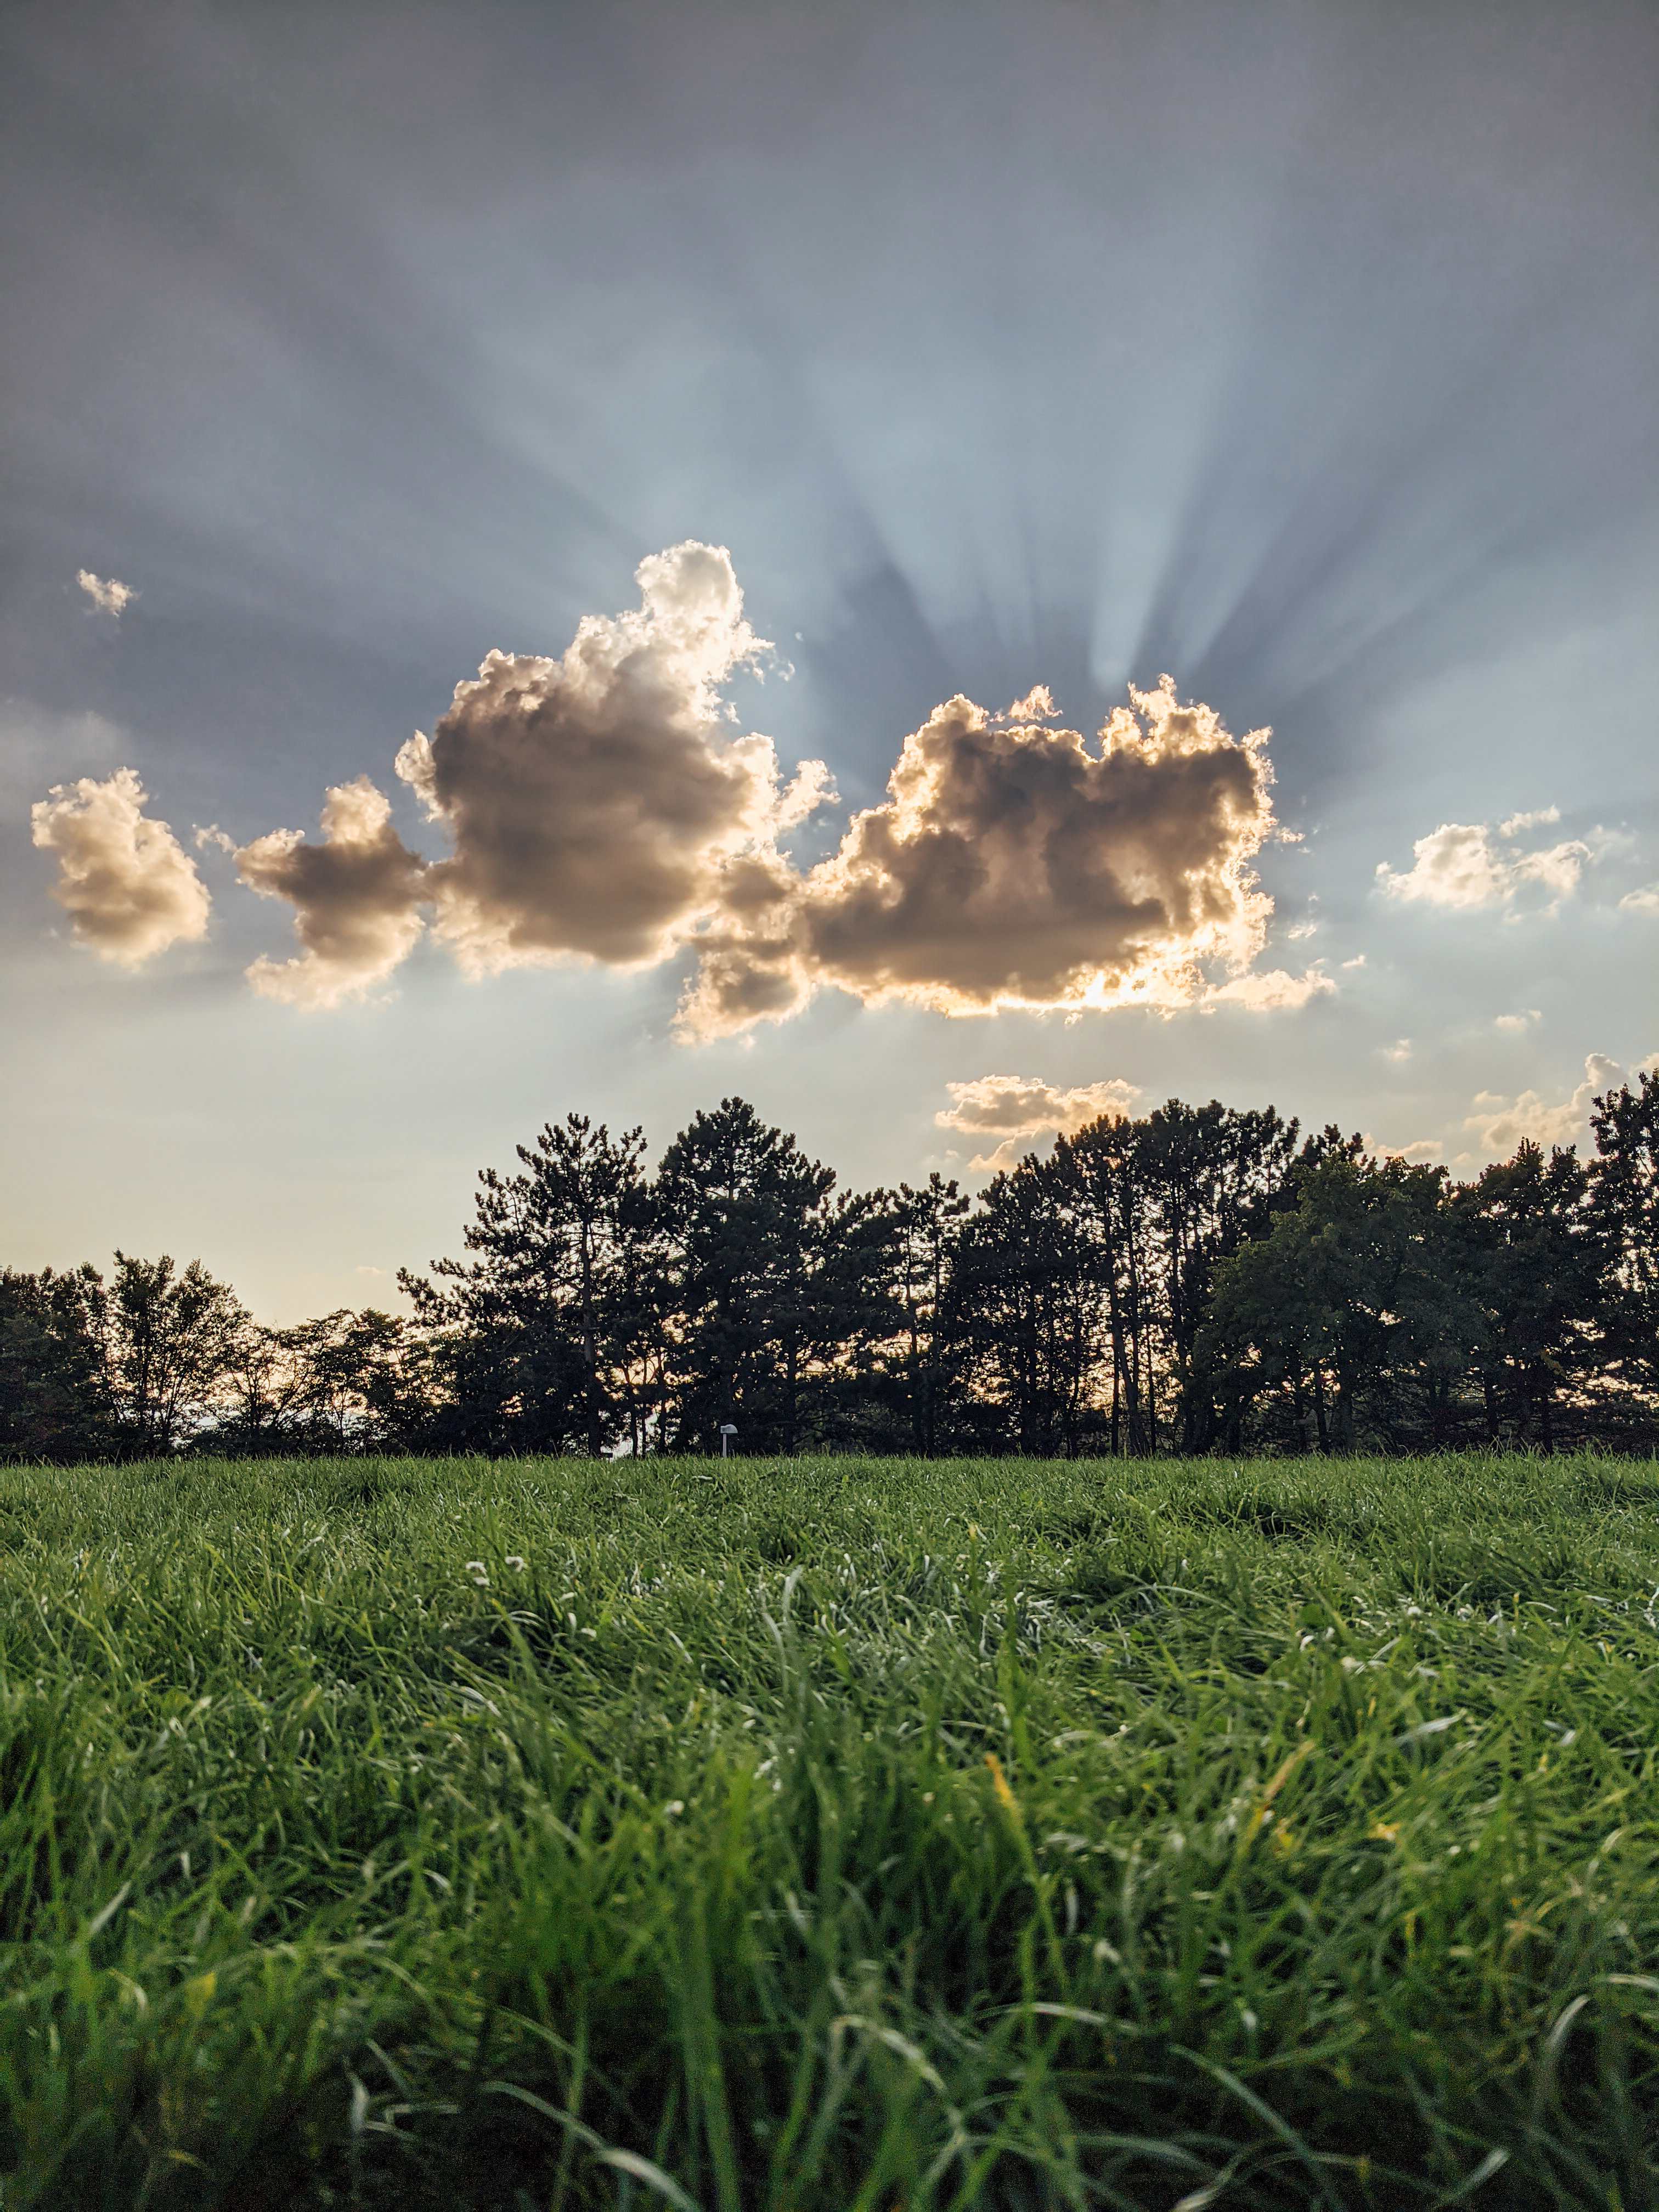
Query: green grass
[(829, 1835)]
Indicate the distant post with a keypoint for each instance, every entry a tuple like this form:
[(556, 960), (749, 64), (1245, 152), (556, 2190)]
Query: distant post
[(728, 1430)]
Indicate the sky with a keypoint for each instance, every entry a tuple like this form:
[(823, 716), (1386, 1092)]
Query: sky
[(944, 569)]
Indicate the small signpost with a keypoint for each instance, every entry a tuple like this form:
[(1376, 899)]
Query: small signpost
[(728, 1430)]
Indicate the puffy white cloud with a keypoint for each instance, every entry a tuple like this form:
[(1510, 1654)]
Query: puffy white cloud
[(1645, 899), (356, 895), (1015, 1108), (1270, 991), (600, 804), (107, 593), (1421, 1151), (1498, 1124), (127, 884), (1012, 865), (1468, 864)]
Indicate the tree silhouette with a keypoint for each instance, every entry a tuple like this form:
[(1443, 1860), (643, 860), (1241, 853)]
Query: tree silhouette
[(1532, 1261), (1625, 1206), (531, 1324), (747, 1225), (1184, 1282)]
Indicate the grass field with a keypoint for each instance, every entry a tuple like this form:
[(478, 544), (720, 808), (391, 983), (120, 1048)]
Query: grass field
[(827, 1835)]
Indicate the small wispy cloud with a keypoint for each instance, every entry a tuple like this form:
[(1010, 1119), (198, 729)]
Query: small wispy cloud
[(1498, 1124), (107, 593), (1518, 1024), (1419, 1152), (1470, 864), (1019, 1108), (1270, 991)]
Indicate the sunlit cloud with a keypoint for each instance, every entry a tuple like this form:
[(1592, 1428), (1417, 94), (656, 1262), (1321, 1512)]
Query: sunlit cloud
[(107, 593), (1013, 864), (355, 897), (1468, 864), (1273, 990), (1645, 899), (1420, 1153), (129, 888), (1499, 1124), (603, 806), (1519, 1024), (1016, 1108), (1037, 705)]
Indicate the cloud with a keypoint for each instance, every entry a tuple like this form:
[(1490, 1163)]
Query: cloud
[(1465, 864), (126, 884), (1037, 705), (1015, 1107), (601, 804), (1518, 1024), (1642, 901), (1421, 1151), (1011, 865), (1499, 1123), (355, 896), (106, 593), (1268, 992)]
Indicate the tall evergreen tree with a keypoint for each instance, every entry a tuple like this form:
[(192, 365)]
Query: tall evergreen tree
[(747, 1222), (530, 1323), (1026, 1313), (1625, 1206), (1212, 1176), (54, 1401), (927, 1227), (1532, 1259)]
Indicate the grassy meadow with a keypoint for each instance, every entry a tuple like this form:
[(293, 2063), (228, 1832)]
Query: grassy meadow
[(833, 1835)]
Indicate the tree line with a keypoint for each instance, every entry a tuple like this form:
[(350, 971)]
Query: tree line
[(1200, 1279)]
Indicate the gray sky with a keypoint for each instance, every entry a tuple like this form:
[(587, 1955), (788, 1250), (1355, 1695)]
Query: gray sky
[(1306, 353)]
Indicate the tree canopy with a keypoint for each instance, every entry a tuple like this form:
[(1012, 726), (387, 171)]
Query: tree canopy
[(1202, 1279)]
